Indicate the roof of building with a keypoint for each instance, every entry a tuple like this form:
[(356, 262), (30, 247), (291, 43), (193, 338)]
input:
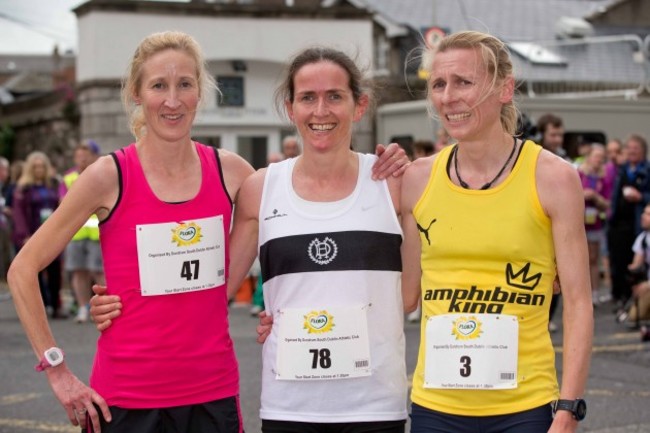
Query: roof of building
[(520, 20), (599, 63)]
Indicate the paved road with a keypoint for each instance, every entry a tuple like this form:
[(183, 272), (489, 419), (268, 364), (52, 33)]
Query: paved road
[(618, 394)]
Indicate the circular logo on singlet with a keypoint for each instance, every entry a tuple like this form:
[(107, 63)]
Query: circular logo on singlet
[(322, 252)]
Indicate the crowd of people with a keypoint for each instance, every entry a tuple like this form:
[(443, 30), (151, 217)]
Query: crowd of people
[(615, 178), (32, 190), (347, 243)]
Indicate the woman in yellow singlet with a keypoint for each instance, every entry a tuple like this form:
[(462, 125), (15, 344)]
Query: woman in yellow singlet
[(489, 222)]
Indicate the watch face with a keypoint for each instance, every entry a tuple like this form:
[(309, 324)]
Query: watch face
[(581, 410), (54, 356)]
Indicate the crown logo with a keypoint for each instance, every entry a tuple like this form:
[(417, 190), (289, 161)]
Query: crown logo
[(521, 279)]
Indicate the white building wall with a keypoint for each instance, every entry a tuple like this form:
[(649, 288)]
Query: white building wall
[(107, 41)]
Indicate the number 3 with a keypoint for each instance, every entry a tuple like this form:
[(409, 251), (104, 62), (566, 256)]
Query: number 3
[(466, 370)]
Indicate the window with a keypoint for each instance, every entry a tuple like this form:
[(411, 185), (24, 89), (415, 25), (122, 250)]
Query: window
[(232, 91)]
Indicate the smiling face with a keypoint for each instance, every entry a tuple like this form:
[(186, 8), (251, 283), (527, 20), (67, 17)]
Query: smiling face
[(169, 94), (463, 95), (323, 107)]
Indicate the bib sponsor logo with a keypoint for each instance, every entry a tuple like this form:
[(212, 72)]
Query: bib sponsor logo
[(466, 328), (318, 322), (186, 234)]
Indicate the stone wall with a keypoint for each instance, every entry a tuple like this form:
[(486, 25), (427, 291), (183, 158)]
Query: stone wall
[(102, 115), (47, 122)]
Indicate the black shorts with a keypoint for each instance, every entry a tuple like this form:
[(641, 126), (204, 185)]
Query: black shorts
[(218, 416), (536, 420), (272, 426)]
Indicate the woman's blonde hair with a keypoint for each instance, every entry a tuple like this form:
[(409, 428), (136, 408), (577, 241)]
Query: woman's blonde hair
[(498, 64), (27, 176), (150, 46)]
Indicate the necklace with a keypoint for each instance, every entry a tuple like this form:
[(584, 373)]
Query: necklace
[(489, 184)]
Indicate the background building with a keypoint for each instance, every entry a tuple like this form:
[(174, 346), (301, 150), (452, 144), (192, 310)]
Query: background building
[(586, 60)]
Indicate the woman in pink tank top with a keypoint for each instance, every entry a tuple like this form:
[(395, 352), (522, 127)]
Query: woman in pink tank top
[(164, 203)]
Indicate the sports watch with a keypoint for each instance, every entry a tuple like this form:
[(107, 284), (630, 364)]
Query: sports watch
[(577, 407), (51, 358)]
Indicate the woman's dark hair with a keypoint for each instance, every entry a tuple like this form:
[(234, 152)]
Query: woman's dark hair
[(357, 83)]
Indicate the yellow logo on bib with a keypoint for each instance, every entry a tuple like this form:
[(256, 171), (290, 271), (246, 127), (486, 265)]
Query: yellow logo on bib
[(466, 328), (186, 234), (318, 322)]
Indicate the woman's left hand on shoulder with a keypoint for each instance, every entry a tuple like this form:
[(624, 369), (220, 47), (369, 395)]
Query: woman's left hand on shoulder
[(392, 161)]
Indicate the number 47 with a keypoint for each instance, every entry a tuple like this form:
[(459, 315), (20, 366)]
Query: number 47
[(190, 270)]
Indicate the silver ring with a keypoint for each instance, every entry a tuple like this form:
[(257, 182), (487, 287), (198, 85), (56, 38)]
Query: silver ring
[(82, 410)]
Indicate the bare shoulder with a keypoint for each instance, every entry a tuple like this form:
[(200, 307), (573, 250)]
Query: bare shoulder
[(420, 167), (102, 175), (415, 179), (232, 163), (558, 183), (249, 198), (97, 187), (235, 170), (554, 171), (255, 182)]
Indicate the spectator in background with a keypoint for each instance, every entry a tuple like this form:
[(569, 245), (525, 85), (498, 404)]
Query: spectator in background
[(551, 128), (83, 255), (584, 147), (640, 270), (15, 171), (290, 147), (615, 154), (442, 140), (630, 195), (5, 240), (35, 198), (422, 148), (615, 158), (597, 193)]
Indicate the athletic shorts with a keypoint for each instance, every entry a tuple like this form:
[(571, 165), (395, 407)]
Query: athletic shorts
[(596, 236), (84, 255), (218, 416), (272, 426), (536, 420)]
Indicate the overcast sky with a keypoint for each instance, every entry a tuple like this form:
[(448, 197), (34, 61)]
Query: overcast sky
[(36, 26)]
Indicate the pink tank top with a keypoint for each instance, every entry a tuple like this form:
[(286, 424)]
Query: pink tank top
[(170, 349)]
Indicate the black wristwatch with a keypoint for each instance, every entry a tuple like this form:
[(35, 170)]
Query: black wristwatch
[(577, 407)]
